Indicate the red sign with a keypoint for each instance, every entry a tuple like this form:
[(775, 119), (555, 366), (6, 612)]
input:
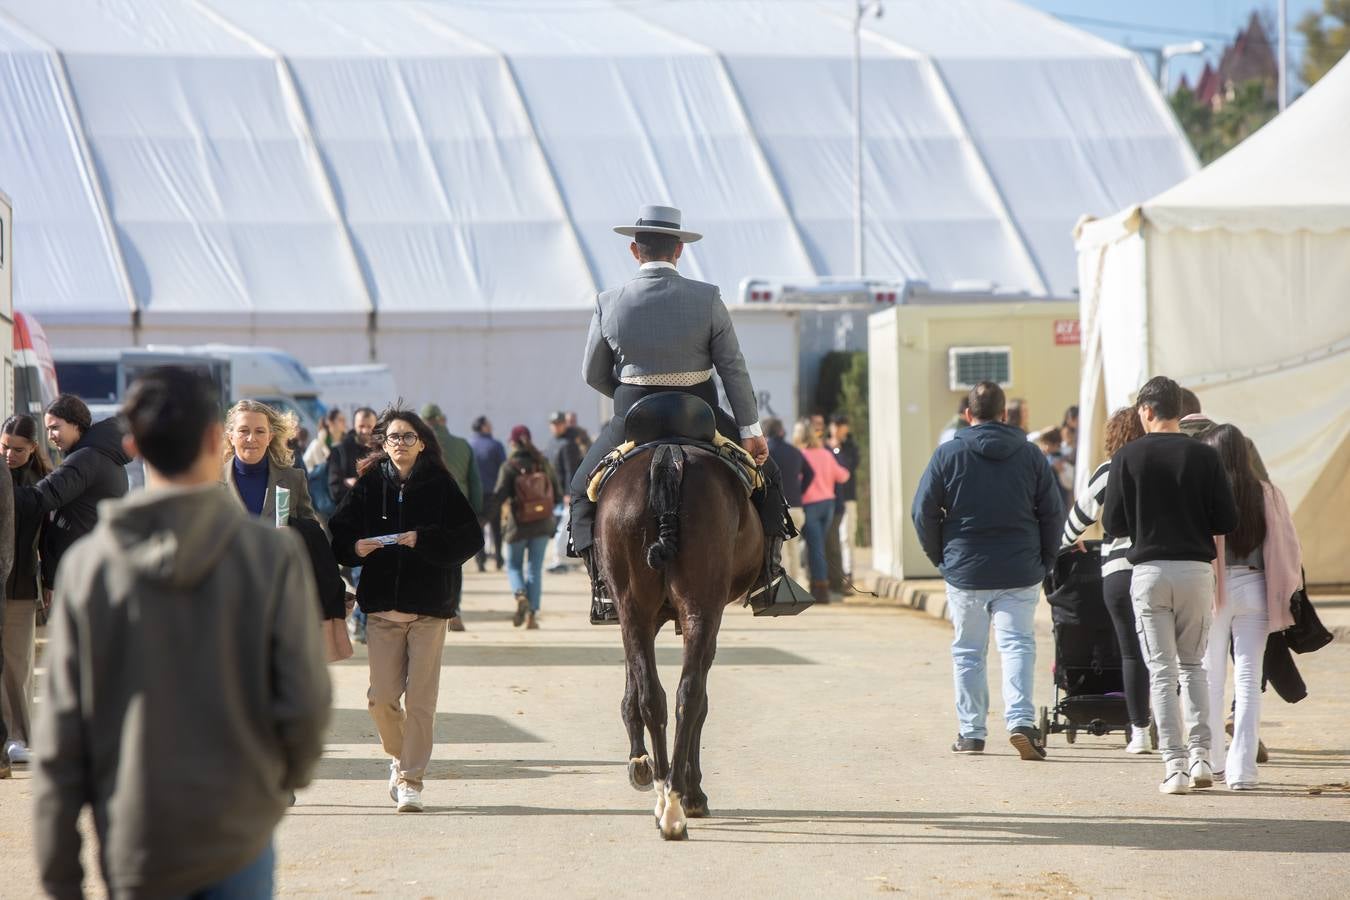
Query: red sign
[(1067, 332)]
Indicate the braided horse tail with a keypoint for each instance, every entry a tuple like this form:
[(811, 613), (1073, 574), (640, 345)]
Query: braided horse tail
[(664, 501)]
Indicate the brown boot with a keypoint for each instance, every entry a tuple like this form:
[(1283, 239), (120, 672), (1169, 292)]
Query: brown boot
[(522, 607), (456, 623), (820, 590), (531, 623)]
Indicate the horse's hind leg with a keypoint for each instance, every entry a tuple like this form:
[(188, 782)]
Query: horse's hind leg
[(695, 801), (691, 702), (651, 696), (641, 769)]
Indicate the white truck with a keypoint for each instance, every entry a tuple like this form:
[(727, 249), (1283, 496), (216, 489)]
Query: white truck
[(271, 376)]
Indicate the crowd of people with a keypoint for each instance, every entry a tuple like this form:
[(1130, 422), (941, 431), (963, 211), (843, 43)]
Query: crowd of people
[(1200, 560)]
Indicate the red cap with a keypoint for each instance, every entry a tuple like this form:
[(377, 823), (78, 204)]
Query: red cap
[(520, 431)]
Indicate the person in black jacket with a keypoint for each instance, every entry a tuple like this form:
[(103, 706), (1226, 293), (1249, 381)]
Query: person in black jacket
[(407, 525), (28, 464), (564, 455), (93, 470), (839, 536), (348, 452)]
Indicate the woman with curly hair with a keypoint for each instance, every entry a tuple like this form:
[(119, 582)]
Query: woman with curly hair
[(258, 461), (1123, 426)]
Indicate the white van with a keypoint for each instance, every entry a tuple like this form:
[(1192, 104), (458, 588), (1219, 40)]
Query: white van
[(350, 387), (270, 376)]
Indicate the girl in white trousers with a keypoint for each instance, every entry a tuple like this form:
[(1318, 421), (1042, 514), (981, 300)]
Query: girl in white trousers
[(1259, 566)]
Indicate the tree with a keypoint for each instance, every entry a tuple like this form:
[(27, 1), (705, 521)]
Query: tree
[(1328, 39), (1213, 132)]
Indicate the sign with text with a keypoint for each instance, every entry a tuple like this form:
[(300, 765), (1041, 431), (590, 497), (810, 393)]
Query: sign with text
[(1067, 332)]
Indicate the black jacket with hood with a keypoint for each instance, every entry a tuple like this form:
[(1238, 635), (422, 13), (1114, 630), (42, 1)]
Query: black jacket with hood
[(407, 579), (93, 471), (988, 509)]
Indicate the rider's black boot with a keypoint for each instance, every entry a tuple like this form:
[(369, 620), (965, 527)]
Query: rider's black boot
[(603, 610)]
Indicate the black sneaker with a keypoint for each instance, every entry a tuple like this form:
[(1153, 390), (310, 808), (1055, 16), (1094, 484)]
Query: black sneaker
[(967, 745), (1028, 742)]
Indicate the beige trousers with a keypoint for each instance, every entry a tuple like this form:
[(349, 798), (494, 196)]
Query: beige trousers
[(792, 550), (16, 686), (405, 664)]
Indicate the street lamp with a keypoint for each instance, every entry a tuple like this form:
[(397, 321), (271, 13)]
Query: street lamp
[(1170, 52), (861, 10)]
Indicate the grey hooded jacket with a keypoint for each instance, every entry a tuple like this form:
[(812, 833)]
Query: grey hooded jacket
[(186, 693)]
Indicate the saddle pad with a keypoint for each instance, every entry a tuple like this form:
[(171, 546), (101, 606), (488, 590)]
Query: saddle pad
[(727, 450)]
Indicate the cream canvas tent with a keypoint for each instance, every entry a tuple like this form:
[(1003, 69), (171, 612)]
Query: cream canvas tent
[(1236, 282)]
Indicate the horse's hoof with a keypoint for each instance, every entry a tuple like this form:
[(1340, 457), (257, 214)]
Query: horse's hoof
[(697, 810), (671, 819), (641, 773)]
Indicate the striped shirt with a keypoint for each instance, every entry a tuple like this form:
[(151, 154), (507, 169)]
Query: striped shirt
[(1085, 513)]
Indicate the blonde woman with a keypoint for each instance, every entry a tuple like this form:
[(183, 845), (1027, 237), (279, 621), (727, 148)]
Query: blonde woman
[(818, 502), (257, 461)]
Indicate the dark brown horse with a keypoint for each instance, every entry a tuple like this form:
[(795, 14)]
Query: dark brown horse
[(677, 539)]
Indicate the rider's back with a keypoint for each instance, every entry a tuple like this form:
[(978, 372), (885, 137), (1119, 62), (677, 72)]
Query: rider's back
[(660, 322)]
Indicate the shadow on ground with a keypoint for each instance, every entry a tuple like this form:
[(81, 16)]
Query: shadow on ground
[(354, 726), (554, 655)]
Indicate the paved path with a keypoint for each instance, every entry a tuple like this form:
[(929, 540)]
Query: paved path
[(827, 772)]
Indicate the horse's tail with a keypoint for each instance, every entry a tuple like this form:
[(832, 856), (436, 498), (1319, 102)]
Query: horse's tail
[(664, 500)]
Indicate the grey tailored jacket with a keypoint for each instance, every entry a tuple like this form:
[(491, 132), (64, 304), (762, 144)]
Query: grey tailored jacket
[(661, 323), (288, 477)]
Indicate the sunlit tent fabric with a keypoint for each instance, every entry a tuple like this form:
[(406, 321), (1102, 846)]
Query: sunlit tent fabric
[(1234, 283), (347, 160)]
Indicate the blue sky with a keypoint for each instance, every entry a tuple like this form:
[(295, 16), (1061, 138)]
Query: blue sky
[(1156, 22)]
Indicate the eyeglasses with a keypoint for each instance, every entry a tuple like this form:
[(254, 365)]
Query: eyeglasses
[(406, 438)]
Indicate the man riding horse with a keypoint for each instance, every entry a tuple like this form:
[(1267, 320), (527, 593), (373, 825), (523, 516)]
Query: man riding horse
[(663, 332)]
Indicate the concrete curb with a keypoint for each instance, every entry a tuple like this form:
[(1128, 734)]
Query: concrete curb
[(928, 595)]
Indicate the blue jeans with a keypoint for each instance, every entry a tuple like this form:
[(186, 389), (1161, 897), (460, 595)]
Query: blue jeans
[(818, 517), (250, 882), (530, 582), (1013, 612)]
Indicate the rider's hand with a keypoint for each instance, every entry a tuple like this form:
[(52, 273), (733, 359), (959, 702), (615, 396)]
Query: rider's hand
[(1080, 547), (757, 447)]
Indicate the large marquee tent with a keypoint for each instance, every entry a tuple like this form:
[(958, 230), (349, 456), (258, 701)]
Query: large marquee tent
[(1234, 282), (358, 179)]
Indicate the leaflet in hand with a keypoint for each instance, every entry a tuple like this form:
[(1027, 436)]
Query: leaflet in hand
[(388, 540)]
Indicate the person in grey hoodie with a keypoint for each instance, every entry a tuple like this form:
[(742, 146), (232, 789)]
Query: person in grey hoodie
[(198, 626)]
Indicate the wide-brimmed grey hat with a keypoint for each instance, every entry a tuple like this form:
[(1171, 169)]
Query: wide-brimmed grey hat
[(661, 220)]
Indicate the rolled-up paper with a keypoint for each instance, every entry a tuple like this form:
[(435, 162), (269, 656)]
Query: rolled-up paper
[(283, 506)]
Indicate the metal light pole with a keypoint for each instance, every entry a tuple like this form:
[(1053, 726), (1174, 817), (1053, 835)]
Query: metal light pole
[(861, 9), (1284, 55)]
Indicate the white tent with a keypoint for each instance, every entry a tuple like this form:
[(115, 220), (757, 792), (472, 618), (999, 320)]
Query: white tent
[(1235, 283), (358, 178)]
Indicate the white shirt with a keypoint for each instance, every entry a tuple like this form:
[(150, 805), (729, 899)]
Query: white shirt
[(681, 378)]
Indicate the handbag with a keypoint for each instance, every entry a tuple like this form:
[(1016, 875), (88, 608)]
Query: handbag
[(1307, 634), (337, 646)]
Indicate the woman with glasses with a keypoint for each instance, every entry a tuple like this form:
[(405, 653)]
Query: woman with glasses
[(408, 526), (28, 464)]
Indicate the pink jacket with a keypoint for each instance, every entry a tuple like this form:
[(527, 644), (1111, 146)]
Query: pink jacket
[(1283, 558), (828, 474)]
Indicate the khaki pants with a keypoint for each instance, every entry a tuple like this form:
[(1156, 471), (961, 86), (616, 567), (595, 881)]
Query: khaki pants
[(405, 663), (16, 687), (792, 550)]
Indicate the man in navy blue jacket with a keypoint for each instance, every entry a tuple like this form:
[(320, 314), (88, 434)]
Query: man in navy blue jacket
[(988, 512)]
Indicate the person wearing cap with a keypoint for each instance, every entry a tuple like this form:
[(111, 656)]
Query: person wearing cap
[(663, 332), (463, 467), (564, 454)]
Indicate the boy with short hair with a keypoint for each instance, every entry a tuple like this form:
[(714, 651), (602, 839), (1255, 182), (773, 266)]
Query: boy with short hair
[(186, 694)]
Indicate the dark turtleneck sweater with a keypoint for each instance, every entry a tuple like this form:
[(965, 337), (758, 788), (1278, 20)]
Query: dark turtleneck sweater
[(251, 481)]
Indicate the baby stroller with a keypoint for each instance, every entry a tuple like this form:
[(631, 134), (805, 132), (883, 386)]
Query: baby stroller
[(1089, 690)]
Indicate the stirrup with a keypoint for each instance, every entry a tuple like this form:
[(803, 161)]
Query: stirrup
[(603, 609), (779, 597)]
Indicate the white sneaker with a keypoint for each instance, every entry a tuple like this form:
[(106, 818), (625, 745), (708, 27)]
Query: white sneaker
[(1202, 776), (1175, 783), (1242, 786), (17, 752), (393, 780), (409, 800), (1139, 740)]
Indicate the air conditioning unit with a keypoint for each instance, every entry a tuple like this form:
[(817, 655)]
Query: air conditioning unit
[(968, 366)]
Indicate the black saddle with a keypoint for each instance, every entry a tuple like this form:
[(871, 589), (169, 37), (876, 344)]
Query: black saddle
[(670, 414)]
